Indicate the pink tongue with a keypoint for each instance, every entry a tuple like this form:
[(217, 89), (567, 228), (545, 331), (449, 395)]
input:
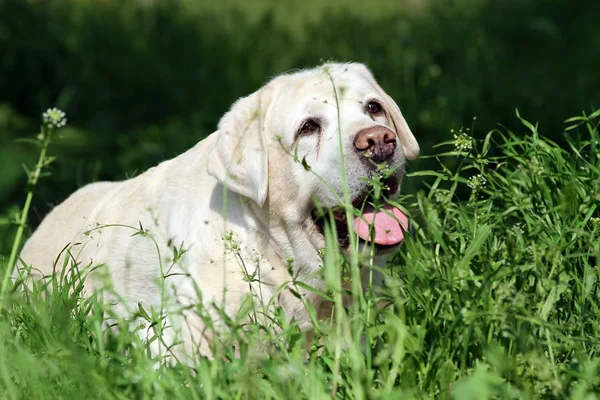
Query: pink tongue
[(387, 229)]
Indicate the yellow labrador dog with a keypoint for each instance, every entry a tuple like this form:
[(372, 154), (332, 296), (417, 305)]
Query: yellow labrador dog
[(239, 202)]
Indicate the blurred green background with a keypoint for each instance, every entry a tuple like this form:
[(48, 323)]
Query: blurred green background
[(142, 81)]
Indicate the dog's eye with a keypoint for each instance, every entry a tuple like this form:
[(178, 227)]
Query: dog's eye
[(374, 108), (310, 126)]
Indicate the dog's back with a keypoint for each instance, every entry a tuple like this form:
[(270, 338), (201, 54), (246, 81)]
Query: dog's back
[(61, 227)]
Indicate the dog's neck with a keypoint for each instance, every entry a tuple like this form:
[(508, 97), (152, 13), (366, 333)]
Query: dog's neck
[(292, 258)]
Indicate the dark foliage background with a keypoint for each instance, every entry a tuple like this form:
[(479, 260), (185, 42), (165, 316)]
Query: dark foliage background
[(143, 81)]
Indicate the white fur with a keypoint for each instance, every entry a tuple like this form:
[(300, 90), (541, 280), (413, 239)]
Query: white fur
[(247, 162)]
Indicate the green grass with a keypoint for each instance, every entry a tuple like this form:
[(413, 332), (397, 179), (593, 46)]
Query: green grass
[(494, 294)]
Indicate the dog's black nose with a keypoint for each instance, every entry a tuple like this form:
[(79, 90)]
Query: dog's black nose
[(377, 143)]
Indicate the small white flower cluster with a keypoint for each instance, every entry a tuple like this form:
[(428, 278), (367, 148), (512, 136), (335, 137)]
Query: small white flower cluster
[(518, 228), (442, 197), (477, 182), (536, 166), (462, 141), (54, 118)]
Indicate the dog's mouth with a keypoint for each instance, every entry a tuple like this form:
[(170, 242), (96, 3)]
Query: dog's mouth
[(375, 221)]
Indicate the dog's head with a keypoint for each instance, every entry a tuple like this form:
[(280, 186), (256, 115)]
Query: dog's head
[(308, 140)]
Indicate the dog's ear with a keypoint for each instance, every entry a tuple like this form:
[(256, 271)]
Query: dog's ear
[(407, 139), (239, 159), (409, 143)]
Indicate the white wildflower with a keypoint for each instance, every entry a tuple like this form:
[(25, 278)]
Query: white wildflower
[(477, 182), (518, 228), (462, 141), (54, 118)]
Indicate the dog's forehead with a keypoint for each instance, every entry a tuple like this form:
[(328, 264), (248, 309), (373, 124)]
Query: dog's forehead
[(313, 87)]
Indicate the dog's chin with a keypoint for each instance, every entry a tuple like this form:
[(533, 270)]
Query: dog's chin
[(337, 219)]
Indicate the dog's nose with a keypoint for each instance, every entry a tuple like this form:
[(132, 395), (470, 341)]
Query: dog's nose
[(377, 143)]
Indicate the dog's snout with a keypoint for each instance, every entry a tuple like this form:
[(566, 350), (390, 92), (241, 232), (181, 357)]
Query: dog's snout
[(377, 143)]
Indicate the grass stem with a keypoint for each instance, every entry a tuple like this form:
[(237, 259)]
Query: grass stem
[(33, 177)]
